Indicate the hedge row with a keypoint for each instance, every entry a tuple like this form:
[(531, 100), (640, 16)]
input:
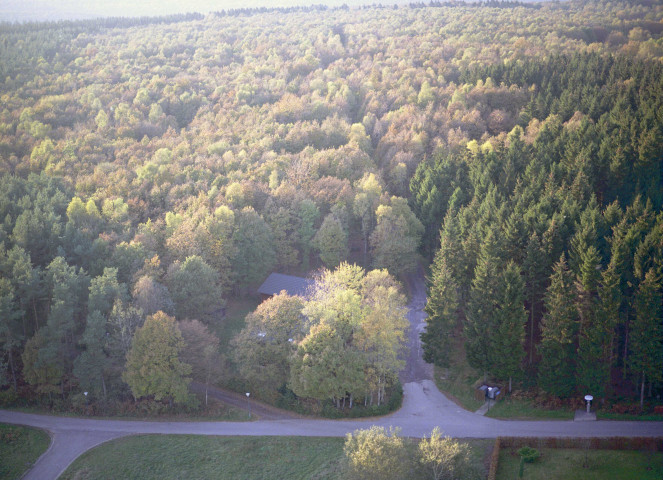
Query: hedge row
[(604, 443), (495, 459), (607, 443)]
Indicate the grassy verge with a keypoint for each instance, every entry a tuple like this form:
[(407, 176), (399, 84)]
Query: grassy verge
[(20, 447), (457, 381), (566, 464), (626, 416), (188, 456), (523, 409)]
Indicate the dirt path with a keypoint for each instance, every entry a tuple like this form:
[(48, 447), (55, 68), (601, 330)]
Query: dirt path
[(237, 400), (415, 368)]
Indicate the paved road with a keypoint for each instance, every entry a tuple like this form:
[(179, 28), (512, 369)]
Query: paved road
[(424, 407)]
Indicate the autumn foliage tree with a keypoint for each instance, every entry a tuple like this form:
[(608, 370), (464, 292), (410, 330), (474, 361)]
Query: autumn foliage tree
[(153, 364)]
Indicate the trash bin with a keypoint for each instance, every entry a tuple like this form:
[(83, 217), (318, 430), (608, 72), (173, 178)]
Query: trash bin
[(493, 392)]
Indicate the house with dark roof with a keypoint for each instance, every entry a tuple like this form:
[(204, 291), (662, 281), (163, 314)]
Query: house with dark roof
[(276, 282)]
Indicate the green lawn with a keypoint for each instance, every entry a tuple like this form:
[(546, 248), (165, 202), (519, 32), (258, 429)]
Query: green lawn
[(20, 447), (523, 409), (200, 457), (566, 464)]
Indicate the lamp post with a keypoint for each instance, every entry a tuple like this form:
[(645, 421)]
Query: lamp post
[(248, 394)]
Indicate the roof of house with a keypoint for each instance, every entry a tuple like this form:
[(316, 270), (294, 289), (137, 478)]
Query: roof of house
[(291, 284)]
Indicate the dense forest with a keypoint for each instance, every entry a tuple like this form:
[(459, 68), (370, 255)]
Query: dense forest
[(551, 247), (154, 170)]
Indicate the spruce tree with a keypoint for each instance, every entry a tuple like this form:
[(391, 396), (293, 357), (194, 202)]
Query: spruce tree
[(441, 309), (507, 340), (483, 302), (646, 360), (535, 267), (558, 334), (591, 375)]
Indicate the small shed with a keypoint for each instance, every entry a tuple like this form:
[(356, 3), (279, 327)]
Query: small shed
[(276, 282)]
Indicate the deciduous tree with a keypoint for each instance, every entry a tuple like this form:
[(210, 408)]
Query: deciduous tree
[(153, 365), (376, 453)]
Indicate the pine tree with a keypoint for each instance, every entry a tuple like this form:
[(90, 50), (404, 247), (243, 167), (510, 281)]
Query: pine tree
[(90, 366), (10, 332)]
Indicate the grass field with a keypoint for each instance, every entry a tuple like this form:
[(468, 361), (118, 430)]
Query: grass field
[(523, 409), (565, 464), (20, 447), (199, 457)]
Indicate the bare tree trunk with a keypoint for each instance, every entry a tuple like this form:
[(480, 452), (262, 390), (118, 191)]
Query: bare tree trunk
[(351, 401), (103, 385), (509, 384), (11, 365), (531, 332), (642, 392), (34, 309), (625, 346), (207, 383)]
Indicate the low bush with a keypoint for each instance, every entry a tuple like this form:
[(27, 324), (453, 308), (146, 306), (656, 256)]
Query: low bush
[(529, 454)]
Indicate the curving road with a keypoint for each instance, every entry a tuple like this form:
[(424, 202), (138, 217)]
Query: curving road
[(424, 407)]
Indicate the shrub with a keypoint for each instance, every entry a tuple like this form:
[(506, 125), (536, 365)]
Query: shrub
[(376, 453), (443, 458), (528, 454)]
